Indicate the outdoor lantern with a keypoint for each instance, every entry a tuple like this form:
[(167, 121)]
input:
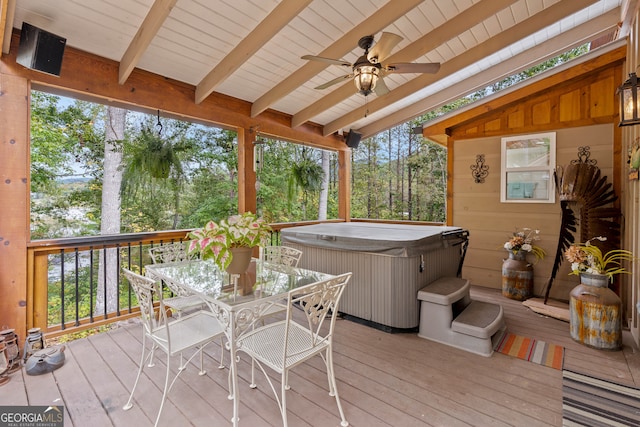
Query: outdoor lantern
[(33, 343), (365, 78), (4, 362), (13, 351), (629, 107)]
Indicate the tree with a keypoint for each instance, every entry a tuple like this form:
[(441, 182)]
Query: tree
[(324, 186), (107, 295), (211, 174)]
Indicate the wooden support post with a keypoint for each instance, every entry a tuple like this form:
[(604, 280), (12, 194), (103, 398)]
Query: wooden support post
[(14, 193), (246, 175), (344, 184), (450, 154)]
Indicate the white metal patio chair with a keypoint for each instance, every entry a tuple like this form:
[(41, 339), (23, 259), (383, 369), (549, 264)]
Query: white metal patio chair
[(176, 252), (284, 345), (182, 301), (284, 255), (190, 332)]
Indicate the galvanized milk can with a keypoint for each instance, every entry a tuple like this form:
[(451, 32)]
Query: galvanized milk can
[(517, 276), (595, 313)]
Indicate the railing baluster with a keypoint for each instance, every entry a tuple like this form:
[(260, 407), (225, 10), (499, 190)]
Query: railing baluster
[(62, 318), (118, 279), (77, 288), (104, 280), (129, 286), (91, 283)]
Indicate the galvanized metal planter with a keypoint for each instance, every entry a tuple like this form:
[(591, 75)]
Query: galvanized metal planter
[(595, 313), (517, 276)]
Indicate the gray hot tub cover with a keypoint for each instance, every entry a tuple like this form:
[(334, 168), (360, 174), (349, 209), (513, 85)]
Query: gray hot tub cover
[(401, 240)]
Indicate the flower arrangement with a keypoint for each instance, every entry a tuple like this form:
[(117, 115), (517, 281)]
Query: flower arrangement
[(522, 240), (588, 258), (214, 240)]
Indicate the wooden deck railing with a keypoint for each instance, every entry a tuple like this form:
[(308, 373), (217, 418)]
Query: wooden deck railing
[(63, 277)]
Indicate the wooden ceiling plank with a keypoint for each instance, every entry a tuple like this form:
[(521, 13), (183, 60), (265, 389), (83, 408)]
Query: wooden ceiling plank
[(500, 41), (156, 16), (520, 62), (279, 17), (383, 17), (465, 20)]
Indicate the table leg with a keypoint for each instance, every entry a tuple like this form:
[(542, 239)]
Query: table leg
[(234, 375)]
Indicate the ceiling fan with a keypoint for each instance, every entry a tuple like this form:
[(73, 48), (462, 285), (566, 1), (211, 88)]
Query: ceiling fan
[(369, 69)]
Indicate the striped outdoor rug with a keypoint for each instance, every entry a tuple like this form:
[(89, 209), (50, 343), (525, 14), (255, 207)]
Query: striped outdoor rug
[(532, 350), (588, 401)]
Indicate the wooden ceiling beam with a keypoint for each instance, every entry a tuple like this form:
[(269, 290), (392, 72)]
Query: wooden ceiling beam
[(553, 47), (383, 17), (465, 20), (519, 31), (148, 29), (279, 17), (93, 78)]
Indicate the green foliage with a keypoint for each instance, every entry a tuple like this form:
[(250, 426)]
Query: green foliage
[(215, 240), (153, 156), (398, 175), (282, 196), (62, 138), (306, 176), (213, 178)]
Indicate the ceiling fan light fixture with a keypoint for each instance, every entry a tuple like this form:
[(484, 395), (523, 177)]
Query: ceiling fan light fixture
[(365, 77)]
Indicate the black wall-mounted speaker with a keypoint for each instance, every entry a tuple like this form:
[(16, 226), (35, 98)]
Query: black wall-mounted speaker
[(353, 138), (40, 50)]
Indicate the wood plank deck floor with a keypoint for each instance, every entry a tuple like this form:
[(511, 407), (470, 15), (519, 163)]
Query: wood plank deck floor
[(383, 380)]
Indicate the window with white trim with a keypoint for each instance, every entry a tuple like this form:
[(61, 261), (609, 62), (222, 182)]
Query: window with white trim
[(528, 162)]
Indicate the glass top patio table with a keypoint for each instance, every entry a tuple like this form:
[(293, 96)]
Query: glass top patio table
[(237, 313), (204, 277)]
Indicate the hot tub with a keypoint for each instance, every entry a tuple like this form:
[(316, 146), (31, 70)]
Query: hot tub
[(390, 264)]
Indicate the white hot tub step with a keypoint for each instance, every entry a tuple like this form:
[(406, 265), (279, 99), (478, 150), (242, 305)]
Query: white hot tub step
[(479, 319), (445, 290)]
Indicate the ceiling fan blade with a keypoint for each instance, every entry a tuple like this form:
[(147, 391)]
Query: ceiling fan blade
[(334, 81), (341, 62), (382, 48), (410, 67), (381, 88)]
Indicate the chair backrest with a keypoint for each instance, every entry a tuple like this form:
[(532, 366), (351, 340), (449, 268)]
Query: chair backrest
[(284, 255), (171, 252), (318, 301), (146, 289)]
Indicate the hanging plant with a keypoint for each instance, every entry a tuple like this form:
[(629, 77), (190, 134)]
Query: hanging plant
[(306, 175), (155, 155)]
